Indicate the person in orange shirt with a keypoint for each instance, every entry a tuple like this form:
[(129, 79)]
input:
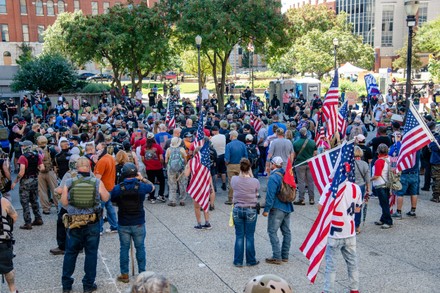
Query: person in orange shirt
[(105, 170)]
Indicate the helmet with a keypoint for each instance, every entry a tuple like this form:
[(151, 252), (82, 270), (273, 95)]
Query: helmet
[(267, 284), (42, 141), (129, 170)]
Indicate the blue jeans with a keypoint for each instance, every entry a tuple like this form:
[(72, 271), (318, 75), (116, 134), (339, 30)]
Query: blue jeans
[(245, 220), (383, 194), (347, 246), (137, 233), (86, 237), (111, 216), (357, 216), (279, 220)]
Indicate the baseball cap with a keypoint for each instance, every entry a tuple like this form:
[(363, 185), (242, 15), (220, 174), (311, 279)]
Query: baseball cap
[(360, 137), (63, 140), (26, 143), (249, 137), (150, 135), (277, 161)]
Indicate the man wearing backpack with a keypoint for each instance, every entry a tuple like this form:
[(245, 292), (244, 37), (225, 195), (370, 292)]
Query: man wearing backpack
[(175, 160), (356, 128), (253, 154), (47, 179), (279, 214)]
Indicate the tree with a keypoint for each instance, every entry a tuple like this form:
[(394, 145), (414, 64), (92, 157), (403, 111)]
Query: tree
[(311, 30), (428, 43), (401, 62), (26, 54), (48, 73), (222, 25)]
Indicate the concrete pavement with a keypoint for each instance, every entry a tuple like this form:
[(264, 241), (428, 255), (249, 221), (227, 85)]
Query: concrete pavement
[(402, 259)]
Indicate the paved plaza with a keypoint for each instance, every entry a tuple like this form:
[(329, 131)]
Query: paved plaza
[(402, 259)]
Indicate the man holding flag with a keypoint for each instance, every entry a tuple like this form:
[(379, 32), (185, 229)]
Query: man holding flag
[(278, 211)]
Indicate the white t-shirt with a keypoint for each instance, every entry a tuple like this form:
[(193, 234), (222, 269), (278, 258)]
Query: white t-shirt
[(342, 222), (205, 94), (219, 143)]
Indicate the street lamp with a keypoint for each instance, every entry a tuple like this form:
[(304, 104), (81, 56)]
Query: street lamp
[(251, 49), (411, 8), (335, 45), (198, 43)]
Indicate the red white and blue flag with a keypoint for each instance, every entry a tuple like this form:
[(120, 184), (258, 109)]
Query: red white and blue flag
[(200, 134), (330, 106), (320, 137), (315, 244), (199, 187), (255, 120), (170, 120), (343, 119), (416, 136)]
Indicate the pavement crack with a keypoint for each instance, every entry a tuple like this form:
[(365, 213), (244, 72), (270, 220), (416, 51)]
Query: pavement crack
[(108, 271)]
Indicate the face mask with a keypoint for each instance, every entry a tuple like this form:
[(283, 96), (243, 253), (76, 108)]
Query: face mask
[(65, 107)]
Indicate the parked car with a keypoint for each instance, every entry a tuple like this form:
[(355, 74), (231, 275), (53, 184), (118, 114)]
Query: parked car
[(169, 75), (85, 75), (100, 77)]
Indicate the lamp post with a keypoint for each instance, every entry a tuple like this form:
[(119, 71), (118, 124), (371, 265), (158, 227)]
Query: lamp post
[(198, 43), (411, 8), (251, 49), (335, 46)]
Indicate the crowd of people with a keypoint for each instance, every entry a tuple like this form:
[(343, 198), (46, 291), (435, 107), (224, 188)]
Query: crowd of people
[(81, 158)]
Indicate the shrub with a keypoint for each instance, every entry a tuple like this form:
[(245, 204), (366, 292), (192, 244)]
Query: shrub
[(95, 88)]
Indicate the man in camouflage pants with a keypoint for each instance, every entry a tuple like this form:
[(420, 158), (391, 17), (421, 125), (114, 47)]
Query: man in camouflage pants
[(435, 168), (30, 163), (176, 179)]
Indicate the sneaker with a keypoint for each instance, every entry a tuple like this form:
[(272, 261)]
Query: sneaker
[(161, 199), (152, 201), (264, 174), (254, 264), (411, 214), (37, 222), (385, 226), (228, 202), (397, 215), (299, 203), (124, 278), (207, 226), (312, 202), (378, 223), (211, 208), (198, 227), (224, 186), (111, 230), (56, 251), (273, 261)]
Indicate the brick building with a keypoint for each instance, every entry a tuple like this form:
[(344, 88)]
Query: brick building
[(24, 21)]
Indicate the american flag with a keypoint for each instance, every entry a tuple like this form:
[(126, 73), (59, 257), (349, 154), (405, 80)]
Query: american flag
[(320, 136), (170, 120), (200, 134), (199, 186), (255, 121), (343, 119), (330, 106), (416, 136), (321, 167), (315, 244)]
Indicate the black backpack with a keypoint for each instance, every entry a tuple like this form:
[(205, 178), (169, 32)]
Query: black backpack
[(252, 154)]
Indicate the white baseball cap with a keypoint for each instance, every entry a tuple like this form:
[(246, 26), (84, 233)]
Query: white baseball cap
[(277, 161)]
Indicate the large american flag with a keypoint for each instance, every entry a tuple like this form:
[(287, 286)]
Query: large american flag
[(199, 186), (343, 119), (200, 134), (170, 120), (330, 106), (416, 136), (320, 136), (315, 244), (255, 121)]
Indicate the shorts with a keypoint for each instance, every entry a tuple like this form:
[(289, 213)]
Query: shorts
[(6, 256), (221, 166), (410, 184)]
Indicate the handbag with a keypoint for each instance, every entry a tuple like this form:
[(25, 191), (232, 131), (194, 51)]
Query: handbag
[(393, 182)]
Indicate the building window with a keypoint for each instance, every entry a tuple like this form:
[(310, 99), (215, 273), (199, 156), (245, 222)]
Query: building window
[(40, 33), (7, 59), (94, 8), (5, 32), (23, 7), (387, 25), (60, 6), (39, 8), (423, 14), (3, 6), (106, 6), (25, 29), (50, 10), (76, 5)]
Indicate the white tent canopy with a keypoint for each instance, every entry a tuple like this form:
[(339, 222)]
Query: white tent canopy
[(349, 68)]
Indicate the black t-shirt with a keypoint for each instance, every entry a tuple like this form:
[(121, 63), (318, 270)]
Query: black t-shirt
[(12, 110), (375, 142), (152, 98)]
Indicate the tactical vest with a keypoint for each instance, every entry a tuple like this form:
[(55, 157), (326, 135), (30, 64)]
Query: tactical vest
[(32, 167), (6, 225), (47, 160), (62, 161), (83, 193), (129, 202)]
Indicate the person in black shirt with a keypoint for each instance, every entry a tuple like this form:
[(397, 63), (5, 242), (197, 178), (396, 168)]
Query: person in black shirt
[(12, 109), (275, 103), (151, 98), (4, 109), (381, 138)]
